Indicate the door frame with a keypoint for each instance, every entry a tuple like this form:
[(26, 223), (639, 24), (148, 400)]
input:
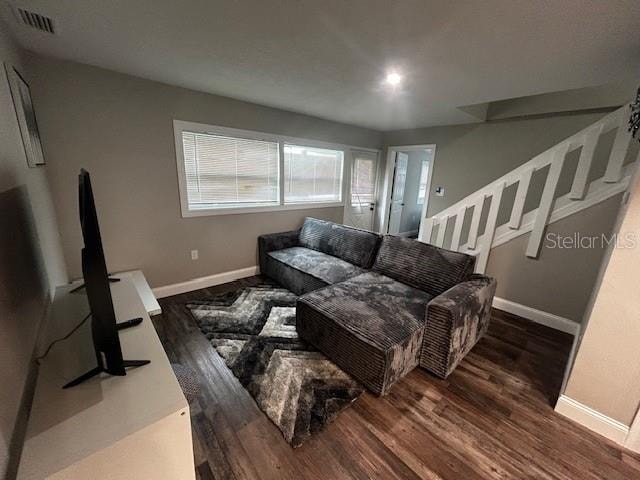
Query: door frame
[(347, 197), (385, 198)]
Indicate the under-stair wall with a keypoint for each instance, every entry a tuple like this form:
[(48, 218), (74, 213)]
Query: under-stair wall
[(526, 281), (468, 157)]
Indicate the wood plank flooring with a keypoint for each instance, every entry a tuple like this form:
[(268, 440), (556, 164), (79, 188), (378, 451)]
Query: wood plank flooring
[(492, 418)]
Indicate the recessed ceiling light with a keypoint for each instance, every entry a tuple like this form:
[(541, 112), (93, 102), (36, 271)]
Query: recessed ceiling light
[(393, 79)]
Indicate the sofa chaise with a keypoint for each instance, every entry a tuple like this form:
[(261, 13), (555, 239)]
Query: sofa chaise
[(379, 306)]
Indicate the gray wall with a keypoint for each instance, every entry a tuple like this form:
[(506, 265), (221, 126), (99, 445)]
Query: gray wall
[(560, 281), (31, 262), (579, 99), (605, 374), (120, 128), (470, 156)]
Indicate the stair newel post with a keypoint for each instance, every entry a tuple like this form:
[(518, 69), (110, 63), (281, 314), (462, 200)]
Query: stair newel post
[(426, 228)]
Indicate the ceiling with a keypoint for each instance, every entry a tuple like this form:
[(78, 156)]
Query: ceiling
[(328, 58)]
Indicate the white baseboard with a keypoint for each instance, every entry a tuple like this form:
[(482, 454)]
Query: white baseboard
[(632, 442), (204, 282), (592, 419), (538, 316)]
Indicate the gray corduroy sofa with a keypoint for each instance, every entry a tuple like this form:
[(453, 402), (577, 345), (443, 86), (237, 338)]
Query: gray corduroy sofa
[(379, 306)]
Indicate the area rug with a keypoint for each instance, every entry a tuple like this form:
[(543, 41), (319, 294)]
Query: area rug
[(253, 330)]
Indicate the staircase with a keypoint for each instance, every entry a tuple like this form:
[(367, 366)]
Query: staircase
[(550, 209)]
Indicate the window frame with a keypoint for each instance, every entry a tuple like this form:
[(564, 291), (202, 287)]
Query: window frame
[(342, 175), (179, 126)]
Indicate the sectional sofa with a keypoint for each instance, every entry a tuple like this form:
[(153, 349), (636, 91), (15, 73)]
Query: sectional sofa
[(378, 306)]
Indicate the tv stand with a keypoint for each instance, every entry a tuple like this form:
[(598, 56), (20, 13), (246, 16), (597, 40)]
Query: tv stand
[(81, 286), (135, 426)]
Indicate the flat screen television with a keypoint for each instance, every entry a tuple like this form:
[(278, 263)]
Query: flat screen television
[(104, 328)]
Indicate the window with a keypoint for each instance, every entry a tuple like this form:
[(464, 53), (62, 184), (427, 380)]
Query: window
[(363, 182), (424, 177), (312, 175), (223, 172)]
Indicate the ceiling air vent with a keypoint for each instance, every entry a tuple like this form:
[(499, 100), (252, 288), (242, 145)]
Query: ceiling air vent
[(35, 20)]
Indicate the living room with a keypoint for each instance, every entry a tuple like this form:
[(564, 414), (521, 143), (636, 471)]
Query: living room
[(393, 241)]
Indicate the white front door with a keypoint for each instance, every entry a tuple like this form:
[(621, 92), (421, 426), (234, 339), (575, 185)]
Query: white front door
[(361, 203), (397, 192)]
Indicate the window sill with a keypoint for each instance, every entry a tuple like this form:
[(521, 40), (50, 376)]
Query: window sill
[(271, 208)]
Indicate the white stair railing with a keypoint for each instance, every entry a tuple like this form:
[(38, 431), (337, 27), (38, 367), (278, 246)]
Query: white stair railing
[(582, 194)]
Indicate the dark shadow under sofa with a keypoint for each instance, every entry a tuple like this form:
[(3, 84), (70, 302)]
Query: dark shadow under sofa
[(379, 306)]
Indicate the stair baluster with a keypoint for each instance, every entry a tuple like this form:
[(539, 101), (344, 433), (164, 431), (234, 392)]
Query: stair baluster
[(582, 194)]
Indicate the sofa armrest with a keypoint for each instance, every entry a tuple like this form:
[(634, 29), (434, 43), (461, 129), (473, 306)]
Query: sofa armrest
[(275, 241), (455, 321)]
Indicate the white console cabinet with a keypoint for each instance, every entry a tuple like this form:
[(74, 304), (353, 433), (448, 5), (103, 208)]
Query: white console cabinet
[(108, 428)]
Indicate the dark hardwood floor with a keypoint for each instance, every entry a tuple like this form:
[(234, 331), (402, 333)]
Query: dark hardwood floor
[(492, 418)]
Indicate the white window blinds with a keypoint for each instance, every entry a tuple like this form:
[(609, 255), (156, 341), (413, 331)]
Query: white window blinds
[(223, 171), (362, 183), (312, 175)]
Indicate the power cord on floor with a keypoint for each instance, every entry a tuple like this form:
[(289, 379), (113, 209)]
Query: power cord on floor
[(73, 330)]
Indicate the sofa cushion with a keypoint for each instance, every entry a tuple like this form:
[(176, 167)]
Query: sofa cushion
[(350, 244), (320, 265), (421, 265), (290, 278), (370, 325), (377, 308)]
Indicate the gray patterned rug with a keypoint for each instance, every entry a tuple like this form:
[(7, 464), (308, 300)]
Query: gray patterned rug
[(298, 388)]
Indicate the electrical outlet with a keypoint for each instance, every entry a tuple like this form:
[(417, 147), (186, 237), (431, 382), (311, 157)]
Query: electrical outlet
[(194, 254)]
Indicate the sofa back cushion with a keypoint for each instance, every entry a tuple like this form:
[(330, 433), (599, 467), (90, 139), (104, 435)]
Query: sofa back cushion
[(426, 267), (350, 244)]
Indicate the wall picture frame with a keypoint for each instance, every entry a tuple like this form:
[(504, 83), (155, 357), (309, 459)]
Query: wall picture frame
[(26, 116)]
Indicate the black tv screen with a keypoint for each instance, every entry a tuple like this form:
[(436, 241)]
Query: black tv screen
[(104, 328), (96, 279)]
